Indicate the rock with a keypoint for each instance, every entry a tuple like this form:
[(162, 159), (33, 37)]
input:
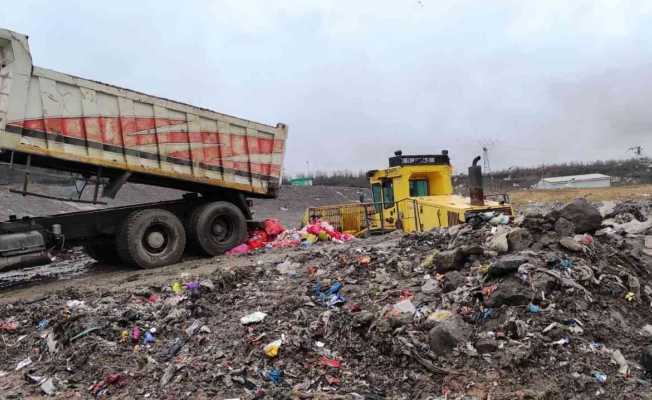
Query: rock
[(506, 265), (449, 260), (543, 282), (452, 280), (381, 276), (486, 345), (646, 330), (509, 293), (583, 215), (648, 242), (564, 227), (570, 244), (499, 243), (519, 239), (447, 334), (430, 287), (363, 318), (646, 358), (207, 284), (472, 250)]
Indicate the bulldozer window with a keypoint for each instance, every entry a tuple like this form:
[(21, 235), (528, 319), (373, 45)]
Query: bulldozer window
[(376, 193), (388, 194), (418, 187)]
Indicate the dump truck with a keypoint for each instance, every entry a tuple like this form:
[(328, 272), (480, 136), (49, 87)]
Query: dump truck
[(414, 194), (108, 136)]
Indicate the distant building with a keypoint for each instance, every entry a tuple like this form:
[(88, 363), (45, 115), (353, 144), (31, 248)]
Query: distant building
[(575, 181), (301, 182)]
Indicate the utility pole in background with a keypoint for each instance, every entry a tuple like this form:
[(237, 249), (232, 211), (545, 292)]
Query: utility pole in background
[(485, 158), (637, 150)]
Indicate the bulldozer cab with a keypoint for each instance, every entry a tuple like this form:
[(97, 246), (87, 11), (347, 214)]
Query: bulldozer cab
[(395, 190), (414, 194)]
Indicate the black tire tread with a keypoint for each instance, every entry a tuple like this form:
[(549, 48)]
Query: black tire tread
[(126, 232), (199, 213)]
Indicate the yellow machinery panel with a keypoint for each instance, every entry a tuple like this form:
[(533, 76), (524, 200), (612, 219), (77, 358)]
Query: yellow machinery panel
[(414, 194)]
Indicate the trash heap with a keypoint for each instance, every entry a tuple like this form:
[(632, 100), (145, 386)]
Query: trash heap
[(551, 306), (274, 236)]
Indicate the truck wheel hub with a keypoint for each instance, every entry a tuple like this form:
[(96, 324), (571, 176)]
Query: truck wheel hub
[(155, 240)]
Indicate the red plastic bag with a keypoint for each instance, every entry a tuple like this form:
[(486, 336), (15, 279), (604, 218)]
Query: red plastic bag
[(255, 244), (314, 229), (273, 227)]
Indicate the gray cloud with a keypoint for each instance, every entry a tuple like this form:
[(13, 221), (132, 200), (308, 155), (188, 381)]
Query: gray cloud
[(540, 82)]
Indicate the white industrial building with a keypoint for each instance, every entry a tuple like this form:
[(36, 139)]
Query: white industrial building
[(575, 181)]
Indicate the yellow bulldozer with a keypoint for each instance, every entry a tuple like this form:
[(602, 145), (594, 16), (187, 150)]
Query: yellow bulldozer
[(414, 194)]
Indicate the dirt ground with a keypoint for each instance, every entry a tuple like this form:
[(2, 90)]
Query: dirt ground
[(525, 197), (441, 315)]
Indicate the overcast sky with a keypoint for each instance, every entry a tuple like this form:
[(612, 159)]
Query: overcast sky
[(537, 82)]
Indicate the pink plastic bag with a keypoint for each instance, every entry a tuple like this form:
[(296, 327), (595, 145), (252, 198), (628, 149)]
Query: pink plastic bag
[(273, 227), (238, 250)]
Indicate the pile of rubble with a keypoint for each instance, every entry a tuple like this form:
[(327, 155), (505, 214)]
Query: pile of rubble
[(550, 306)]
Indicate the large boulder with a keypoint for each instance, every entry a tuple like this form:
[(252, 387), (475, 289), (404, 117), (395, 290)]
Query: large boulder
[(447, 334), (509, 293), (583, 215), (519, 239), (506, 265), (570, 244), (453, 280), (447, 260), (564, 227)]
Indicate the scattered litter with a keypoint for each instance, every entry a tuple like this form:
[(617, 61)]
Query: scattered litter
[(253, 318), (272, 349), (23, 364)]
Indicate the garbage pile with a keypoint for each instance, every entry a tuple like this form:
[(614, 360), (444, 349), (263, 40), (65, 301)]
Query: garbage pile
[(273, 236), (548, 307)]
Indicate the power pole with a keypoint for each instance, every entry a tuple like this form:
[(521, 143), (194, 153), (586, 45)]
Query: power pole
[(485, 157), (637, 150)]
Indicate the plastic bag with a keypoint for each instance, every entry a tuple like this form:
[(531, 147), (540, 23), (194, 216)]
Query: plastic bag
[(273, 227), (238, 250)]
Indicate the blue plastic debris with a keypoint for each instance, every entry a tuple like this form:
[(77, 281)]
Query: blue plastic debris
[(566, 263), (149, 337), (275, 375), (331, 297), (484, 315), (533, 308), (42, 324), (335, 288), (599, 376)]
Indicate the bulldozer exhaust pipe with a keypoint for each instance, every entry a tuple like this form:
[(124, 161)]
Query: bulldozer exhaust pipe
[(476, 190)]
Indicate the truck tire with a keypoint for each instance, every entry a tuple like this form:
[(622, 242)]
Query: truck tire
[(103, 253), (151, 238), (214, 228)]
